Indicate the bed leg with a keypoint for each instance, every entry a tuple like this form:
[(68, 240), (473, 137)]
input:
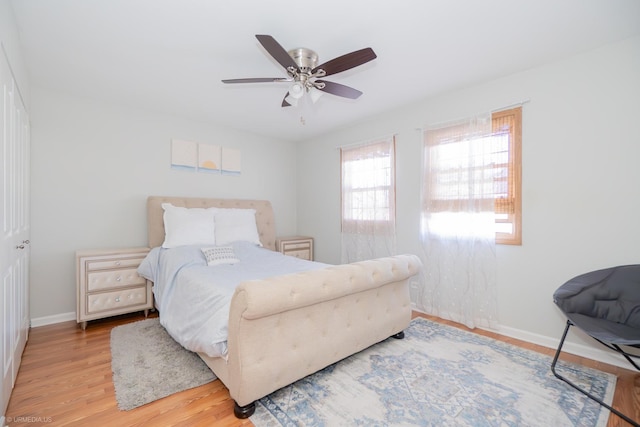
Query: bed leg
[(398, 336), (244, 411)]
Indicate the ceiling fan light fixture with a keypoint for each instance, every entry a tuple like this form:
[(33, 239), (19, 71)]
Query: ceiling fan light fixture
[(314, 94), (296, 90)]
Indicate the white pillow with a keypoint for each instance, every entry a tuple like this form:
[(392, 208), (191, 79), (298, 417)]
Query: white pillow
[(188, 226), (234, 225), (220, 255)]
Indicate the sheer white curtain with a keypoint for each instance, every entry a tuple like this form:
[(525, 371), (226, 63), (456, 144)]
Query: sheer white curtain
[(458, 223), (368, 200)]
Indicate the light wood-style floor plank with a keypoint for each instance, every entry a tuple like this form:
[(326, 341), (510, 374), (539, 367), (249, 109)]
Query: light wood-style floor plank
[(65, 380)]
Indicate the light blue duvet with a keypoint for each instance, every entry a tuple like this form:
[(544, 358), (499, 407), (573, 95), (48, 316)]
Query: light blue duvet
[(194, 298)]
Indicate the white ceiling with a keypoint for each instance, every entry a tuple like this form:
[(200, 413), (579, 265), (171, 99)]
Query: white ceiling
[(170, 55)]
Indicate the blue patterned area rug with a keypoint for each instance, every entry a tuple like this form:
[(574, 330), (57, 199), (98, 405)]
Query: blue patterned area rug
[(440, 376)]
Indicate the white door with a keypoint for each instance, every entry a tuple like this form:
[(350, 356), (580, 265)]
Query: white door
[(14, 231)]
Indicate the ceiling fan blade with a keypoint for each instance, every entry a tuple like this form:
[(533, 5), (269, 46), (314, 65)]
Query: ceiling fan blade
[(338, 89), (347, 61), (285, 103), (256, 80), (277, 51)]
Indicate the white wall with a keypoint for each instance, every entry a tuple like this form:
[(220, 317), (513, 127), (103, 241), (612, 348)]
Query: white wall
[(581, 201), (93, 165)]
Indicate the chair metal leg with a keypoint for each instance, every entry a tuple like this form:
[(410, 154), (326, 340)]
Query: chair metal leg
[(627, 356), (618, 349), (586, 393)]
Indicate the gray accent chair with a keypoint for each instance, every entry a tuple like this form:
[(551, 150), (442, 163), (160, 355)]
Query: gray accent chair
[(605, 304)]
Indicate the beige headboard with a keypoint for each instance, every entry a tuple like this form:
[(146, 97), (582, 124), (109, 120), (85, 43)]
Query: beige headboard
[(265, 219)]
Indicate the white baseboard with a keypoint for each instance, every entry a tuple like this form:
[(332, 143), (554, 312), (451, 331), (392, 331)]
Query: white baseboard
[(593, 353), (50, 320)]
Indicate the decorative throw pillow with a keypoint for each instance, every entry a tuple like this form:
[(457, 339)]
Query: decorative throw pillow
[(188, 226), (220, 255), (236, 225)]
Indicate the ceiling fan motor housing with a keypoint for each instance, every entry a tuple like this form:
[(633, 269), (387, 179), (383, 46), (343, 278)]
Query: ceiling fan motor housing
[(305, 59)]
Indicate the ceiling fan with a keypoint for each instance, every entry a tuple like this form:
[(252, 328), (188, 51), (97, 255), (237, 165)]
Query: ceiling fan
[(303, 71)]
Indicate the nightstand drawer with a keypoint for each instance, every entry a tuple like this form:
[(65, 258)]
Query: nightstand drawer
[(113, 263), (287, 246), (124, 298), (302, 254), (113, 279)]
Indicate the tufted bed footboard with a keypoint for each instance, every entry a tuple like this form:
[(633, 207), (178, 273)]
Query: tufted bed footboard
[(284, 328)]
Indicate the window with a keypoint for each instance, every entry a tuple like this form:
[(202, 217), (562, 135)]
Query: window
[(480, 165), (507, 128), (368, 186)]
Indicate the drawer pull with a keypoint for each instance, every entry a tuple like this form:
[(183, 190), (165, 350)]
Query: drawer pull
[(119, 278), (117, 263), (117, 299)]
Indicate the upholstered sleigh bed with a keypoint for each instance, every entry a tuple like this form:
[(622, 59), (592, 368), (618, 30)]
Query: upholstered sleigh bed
[(283, 328)]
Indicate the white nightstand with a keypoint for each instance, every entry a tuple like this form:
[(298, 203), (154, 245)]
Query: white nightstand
[(108, 283), (297, 246)]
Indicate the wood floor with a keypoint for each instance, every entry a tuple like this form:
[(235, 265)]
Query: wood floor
[(65, 380)]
